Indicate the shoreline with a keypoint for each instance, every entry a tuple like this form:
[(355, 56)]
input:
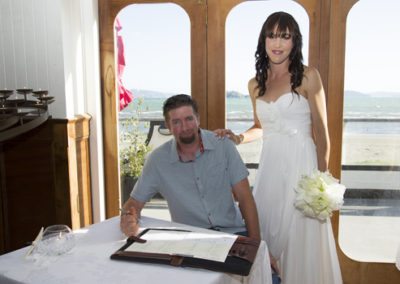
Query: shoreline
[(357, 149)]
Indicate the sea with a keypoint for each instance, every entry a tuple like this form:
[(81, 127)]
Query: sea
[(363, 114)]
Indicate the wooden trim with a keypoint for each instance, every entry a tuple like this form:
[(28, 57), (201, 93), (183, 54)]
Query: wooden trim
[(61, 171), (216, 106), (78, 130), (197, 11), (107, 13), (336, 11), (108, 10), (3, 204)]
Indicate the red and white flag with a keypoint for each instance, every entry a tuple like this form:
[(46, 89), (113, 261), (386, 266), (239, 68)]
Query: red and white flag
[(125, 96)]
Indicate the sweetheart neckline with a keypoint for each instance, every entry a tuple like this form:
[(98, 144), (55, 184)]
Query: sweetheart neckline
[(275, 101)]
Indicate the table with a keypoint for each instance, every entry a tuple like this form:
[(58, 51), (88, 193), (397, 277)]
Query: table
[(89, 262)]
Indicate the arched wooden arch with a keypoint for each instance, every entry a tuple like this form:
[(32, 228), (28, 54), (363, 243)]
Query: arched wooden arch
[(326, 52), (108, 10)]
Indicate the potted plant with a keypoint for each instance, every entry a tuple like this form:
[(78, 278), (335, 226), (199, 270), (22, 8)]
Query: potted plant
[(133, 150)]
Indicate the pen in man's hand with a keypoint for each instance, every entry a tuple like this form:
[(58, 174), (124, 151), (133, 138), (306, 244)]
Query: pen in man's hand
[(127, 212), (124, 212), (136, 239)]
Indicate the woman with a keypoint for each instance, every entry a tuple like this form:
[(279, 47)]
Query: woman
[(290, 115)]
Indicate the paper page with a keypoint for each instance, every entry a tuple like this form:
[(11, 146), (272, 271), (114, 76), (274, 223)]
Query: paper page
[(192, 244)]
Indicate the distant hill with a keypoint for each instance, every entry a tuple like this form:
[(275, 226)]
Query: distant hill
[(385, 94), (234, 94), (354, 94), (150, 94), (163, 95), (381, 94)]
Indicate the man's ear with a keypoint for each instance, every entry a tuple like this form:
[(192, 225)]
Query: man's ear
[(198, 119), (167, 124)]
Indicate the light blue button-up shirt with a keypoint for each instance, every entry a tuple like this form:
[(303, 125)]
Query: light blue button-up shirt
[(199, 193)]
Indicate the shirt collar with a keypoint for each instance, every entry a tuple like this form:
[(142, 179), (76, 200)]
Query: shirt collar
[(204, 140)]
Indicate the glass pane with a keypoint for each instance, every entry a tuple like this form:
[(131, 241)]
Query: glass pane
[(369, 227), (156, 41), (243, 26)]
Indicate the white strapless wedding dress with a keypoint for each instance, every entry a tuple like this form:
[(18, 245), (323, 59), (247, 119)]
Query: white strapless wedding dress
[(305, 246)]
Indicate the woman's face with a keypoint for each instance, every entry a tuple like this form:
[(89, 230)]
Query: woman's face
[(278, 46)]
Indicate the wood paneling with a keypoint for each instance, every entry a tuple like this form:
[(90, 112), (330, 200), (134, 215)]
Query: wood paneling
[(45, 180), (79, 169), (28, 186)]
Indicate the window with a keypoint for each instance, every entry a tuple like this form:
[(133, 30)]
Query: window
[(243, 26), (369, 226), (157, 65)]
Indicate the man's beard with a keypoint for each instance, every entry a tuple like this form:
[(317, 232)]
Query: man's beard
[(187, 140)]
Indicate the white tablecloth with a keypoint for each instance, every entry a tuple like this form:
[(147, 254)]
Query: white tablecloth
[(89, 262)]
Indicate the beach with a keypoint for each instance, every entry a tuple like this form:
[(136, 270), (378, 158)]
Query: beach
[(371, 149), (358, 149)]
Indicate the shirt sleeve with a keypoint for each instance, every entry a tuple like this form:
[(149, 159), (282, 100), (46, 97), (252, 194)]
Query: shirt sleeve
[(236, 167), (147, 185)]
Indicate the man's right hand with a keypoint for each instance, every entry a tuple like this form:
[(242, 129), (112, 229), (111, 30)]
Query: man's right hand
[(129, 222)]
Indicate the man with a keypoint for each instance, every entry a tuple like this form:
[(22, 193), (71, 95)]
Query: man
[(198, 174)]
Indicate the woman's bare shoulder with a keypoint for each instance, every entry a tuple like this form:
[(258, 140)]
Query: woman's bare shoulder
[(252, 83), (252, 86), (312, 83), (311, 73)]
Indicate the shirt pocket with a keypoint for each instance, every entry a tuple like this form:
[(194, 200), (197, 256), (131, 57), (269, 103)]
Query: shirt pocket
[(217, 176)]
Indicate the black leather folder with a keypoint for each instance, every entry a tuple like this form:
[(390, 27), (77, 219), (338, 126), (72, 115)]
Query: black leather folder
[(239, 260)]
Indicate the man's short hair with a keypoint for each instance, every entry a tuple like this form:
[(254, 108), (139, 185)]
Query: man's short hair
[(179, 101)]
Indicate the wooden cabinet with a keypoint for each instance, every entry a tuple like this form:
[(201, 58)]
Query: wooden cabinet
[(45, 180)]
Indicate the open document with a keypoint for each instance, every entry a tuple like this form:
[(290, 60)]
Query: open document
[(184, 243)]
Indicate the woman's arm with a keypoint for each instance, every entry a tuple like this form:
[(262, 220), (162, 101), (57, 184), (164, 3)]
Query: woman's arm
[(255, 131), (316, 99)]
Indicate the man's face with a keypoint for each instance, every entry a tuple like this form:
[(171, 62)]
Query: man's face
[(183, 124)]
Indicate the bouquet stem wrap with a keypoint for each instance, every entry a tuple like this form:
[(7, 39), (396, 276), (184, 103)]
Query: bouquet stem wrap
[(318, 195)]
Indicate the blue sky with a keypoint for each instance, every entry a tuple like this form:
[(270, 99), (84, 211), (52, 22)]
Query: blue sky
[(157, 44)]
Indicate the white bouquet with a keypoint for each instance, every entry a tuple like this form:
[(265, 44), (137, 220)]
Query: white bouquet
[(318, 194)]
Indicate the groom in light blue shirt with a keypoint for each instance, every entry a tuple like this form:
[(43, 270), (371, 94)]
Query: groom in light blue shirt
[(199, 175)]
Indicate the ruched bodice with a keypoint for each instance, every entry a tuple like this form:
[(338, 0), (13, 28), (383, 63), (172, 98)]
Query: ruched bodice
[(289, 114)]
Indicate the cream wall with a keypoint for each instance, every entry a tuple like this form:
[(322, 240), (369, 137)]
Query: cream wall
[(54, 45), (31, 48)]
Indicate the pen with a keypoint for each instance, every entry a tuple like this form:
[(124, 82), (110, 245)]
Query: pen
[(137, 239), (127, 212), (170, 229), (124, 212), (182, 255)]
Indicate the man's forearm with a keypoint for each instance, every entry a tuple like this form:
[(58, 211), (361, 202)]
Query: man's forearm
[(130, 215), (250, 216), (248, 208)]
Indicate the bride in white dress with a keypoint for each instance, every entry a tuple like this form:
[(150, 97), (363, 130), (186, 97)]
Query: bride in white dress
[(290, 115)]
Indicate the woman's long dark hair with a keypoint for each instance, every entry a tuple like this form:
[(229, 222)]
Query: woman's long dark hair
[(283, 21)]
